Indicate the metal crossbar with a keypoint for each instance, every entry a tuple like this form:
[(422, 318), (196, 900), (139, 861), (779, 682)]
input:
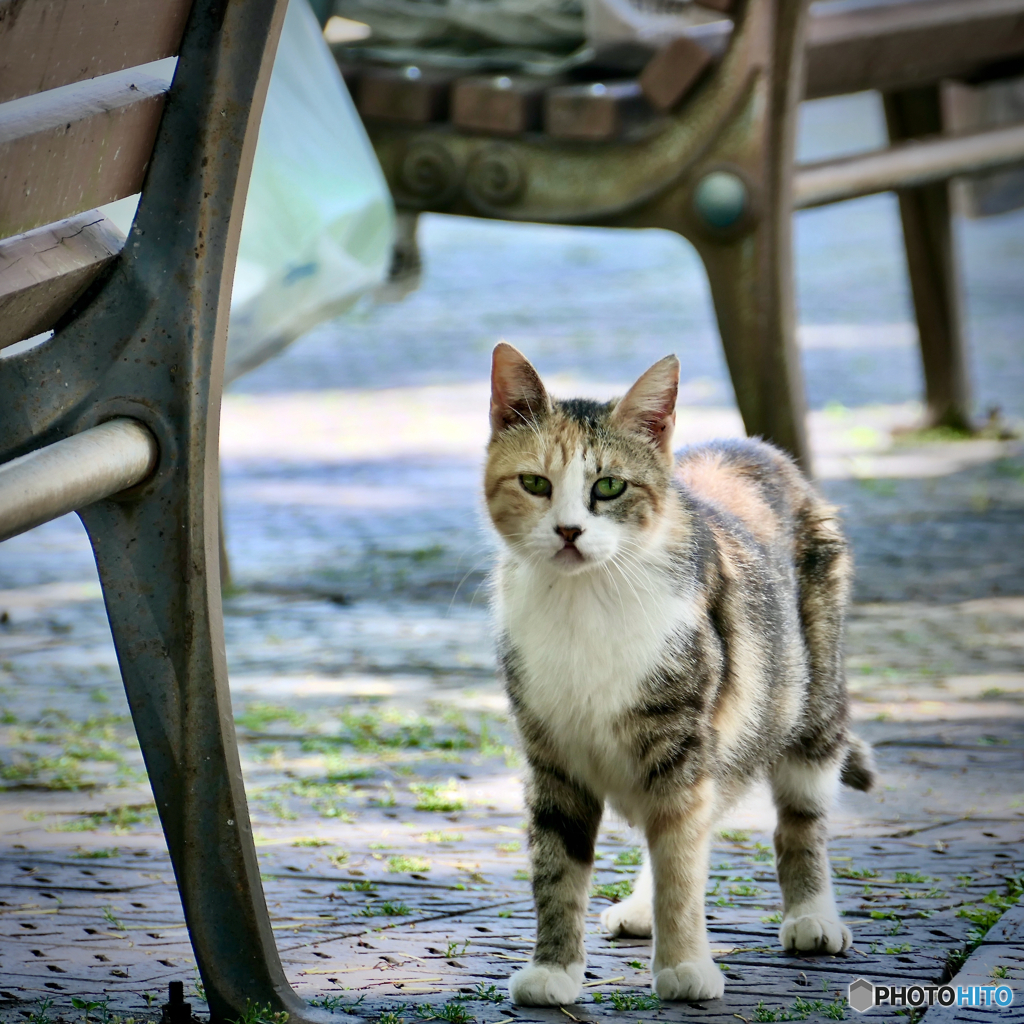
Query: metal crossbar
[(907, 165), (73, 473)]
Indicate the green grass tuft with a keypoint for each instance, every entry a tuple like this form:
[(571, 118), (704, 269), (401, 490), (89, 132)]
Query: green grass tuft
[(357, 887), (119, 819), (912, 876), (443, 837), (856, 873), (488, 993), (442, 797), (614, 891), (802, 1009), (634, 1001), (745, 890), (453, 1012), (258, 715), (256, 1014), (400, 863), (735, 835)]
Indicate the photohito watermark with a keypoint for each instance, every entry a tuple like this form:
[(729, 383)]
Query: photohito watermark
[(864, 995)]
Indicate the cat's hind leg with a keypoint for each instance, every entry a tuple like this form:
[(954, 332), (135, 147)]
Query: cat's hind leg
[(804, 791), (635, 914), (679, 840), (564, 819)]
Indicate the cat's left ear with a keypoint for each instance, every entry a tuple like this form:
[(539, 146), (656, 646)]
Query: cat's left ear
[(649, 407)]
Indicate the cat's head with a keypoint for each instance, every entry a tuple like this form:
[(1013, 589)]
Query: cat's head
[(576, 484)]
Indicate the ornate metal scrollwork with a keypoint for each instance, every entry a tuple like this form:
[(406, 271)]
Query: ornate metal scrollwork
[(429, 174), (495, 177)]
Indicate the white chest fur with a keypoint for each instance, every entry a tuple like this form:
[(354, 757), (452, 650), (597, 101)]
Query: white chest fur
[(585, 645)]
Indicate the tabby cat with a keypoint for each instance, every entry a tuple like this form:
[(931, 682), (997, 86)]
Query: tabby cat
[(670, 630)]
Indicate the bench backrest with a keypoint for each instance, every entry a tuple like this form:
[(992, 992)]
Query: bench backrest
[(80, 105)]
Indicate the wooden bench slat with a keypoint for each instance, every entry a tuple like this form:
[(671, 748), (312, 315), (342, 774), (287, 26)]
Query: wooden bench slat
[(597, 112), (916, 42), (502, 104), (673, 72), (886, 45), (74, 148), (45, 44), (42, 272), (403, 94)]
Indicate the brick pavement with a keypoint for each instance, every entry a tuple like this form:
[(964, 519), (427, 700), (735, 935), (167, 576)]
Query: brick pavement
[(355, 715)]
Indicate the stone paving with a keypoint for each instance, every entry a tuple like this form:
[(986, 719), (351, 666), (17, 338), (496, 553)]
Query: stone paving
[(382, 772), (384, 780)]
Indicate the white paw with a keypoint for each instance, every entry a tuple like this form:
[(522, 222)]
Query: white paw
[(690, 980), (818, 933), (630, 917), (546, 985)]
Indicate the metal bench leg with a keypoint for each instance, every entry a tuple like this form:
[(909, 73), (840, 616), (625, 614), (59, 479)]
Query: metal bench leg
[(158, 562), (752, 287), (750, 261), (158, 550), (147, 342), (932, 263)]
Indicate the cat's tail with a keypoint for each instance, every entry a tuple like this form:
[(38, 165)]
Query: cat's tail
[(859, 767)]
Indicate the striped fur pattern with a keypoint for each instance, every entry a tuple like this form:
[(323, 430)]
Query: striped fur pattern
[(670, 630)]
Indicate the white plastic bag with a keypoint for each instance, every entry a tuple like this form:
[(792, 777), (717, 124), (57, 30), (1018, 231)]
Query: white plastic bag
[(319, 222), (653, 23)]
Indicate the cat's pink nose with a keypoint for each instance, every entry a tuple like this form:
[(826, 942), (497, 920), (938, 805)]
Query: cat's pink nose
[(568, 533)]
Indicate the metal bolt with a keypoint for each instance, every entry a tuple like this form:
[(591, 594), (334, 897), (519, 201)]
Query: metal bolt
[(176, 1010), (721, 199)]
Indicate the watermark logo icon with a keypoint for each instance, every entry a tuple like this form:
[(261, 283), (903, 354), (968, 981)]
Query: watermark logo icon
[(863, 995)]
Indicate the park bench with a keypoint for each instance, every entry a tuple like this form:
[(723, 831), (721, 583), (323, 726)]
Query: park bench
[(701, 142), (117, 414)]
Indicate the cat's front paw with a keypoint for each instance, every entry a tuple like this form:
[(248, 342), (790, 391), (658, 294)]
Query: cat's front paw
[(690, 980), (630, 917), (546, 985), (819, 932)]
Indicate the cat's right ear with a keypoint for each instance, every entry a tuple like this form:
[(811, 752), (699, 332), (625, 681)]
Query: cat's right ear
[(517, 394)]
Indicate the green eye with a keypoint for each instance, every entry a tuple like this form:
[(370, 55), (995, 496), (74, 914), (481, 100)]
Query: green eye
[(539, 485), (608, 487)]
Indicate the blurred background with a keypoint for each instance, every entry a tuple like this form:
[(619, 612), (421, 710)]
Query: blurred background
[(352, 460)]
